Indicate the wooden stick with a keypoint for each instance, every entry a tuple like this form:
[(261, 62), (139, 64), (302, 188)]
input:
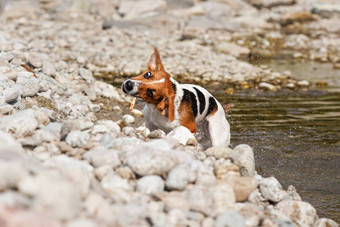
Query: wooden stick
[(133, 103)]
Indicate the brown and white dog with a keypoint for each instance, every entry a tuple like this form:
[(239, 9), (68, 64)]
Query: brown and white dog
[(170, 104)]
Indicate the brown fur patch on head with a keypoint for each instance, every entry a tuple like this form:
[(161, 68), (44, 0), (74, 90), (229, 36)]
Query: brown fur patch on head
[(156, 86)]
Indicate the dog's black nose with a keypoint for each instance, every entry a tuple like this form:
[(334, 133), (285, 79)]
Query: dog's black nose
[(128, 85)]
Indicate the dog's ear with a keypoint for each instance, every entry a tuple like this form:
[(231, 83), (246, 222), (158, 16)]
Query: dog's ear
[(155, 62)]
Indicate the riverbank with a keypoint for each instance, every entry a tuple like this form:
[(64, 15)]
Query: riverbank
[(72, 154)]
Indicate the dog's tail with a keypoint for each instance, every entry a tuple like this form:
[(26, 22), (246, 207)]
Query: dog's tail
[(227, 107)]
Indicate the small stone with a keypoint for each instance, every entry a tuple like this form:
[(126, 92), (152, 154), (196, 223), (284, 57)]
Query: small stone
[(242, 186), (243, 156), (82, 222), (150, 184), (35, 61), (300, 213), (129, 131), (272, 190), (223, 171), (178, 177), (224, 197), (125, 172), (107, 140), (303, 83), (137, 113), (118, 188), (325, 222), (230, 218), (181, 136), (200, 199), (77, 138), (86, 75), (48, 69), (21, 123), (128, 119), (28, 87), (101, 157), (156, 134), (10, 94), (267, 86), (6, 108), (219, 152)]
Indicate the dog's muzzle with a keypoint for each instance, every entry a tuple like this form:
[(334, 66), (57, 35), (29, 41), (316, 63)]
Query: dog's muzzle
[(130, 87)]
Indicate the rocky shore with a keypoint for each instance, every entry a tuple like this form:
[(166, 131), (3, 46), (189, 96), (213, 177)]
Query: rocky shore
[(71, 154)]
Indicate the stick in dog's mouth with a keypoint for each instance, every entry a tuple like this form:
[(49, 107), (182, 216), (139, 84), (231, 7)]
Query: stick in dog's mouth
[(133, 103)]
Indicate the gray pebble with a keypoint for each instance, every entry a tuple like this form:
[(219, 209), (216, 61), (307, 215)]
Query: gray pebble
[(150, 184)]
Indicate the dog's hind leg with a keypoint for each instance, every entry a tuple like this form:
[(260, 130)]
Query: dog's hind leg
[(219, 129)]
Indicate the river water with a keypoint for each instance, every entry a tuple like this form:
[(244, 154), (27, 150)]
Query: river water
[(295, 135)]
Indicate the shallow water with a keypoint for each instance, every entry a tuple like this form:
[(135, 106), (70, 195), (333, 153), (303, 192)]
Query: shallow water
[(295, 135)]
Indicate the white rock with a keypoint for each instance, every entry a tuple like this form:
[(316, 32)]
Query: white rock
[(137, 113), (224, 197), (48, 68), (267, 86), (118, 188), (86, 75), (300, 213), (21, 123), (77, 138), (200, 199), (60, 200), (325, 222), (230, 218), (128, 119), (111, 125), (272, 190), (243, 156), (178, 177), (181, 136), (142, 8), (82, 222), (151, 184), (100, 157), (10, 94), (35, 61), (153, 158), (79, 172), (28, 87)]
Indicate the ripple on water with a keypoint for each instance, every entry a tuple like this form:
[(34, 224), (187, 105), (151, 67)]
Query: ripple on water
[(296, 138)]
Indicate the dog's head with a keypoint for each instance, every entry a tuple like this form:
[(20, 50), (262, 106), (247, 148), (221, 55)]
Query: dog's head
[(152, 86)]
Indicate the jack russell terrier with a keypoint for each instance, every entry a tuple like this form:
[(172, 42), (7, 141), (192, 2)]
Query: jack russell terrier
[(170, 104)]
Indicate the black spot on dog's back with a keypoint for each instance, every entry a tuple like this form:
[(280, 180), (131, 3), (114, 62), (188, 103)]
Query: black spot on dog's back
[(190, 97), (201, 99)]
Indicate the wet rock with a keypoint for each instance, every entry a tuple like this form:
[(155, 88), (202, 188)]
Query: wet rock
[(77, 138), (21, 123), (10, 94), (242, 186), (100, 157), (243, 156), (151, 184), (218, 152), (272, 190), (300, 213), (181, 136), (178, 177), (230, 218), (325, 222), (267, 86)]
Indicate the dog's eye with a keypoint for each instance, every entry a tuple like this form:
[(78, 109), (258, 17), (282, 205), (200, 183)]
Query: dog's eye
[(147, 75)]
